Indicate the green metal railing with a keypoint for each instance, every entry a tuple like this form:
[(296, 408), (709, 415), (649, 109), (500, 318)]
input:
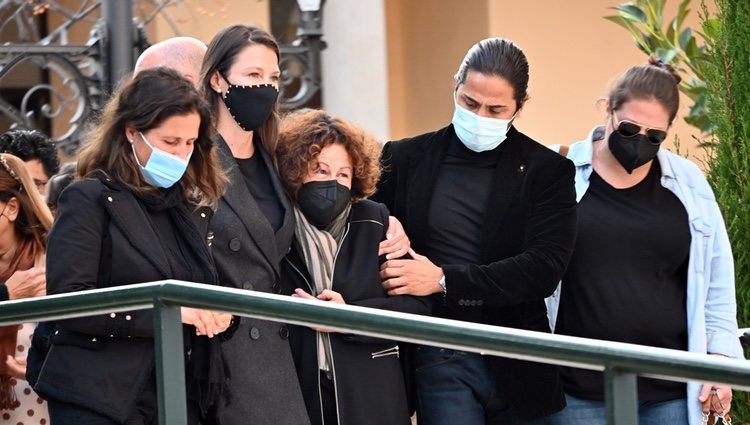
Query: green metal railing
[(620, 362)]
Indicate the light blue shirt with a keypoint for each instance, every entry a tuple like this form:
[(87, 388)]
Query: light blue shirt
[(711, 304)]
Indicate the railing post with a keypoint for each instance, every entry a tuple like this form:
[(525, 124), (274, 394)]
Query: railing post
[(170, 364), (118, 15), (621, 396)]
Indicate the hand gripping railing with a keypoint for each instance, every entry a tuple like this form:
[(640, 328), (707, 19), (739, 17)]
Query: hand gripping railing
[(621, 362)]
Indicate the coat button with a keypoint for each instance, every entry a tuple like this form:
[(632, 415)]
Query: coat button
[(254, 333), (247, 285), (235, 244), (276, 288), (284, 332)]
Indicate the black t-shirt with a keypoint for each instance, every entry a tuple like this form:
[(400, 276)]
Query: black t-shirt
[(457, 209), (627, 278), (258, 181)]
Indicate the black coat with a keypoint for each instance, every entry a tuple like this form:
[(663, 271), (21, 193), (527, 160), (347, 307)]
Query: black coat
[(528, 237), (102, 238), (247, 252), (369, 387)]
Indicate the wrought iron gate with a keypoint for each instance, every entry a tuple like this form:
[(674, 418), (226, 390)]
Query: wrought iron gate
[(77, 78)]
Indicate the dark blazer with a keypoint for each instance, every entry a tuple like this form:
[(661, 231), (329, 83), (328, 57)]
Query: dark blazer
[(369, 382), (247, 252), (102, 238), (528, 237)]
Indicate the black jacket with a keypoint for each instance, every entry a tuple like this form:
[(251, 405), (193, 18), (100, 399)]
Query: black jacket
[(102, 238), (528, 237), (369, 381)]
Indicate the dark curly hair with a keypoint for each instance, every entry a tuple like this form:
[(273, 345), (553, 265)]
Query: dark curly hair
[(305, 133), (28, 145)]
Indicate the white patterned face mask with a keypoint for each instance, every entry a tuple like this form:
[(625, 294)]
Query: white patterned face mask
[(479, 133)]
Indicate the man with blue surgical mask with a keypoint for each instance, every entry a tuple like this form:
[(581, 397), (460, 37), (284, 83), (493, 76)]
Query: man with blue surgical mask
[(491, 218)]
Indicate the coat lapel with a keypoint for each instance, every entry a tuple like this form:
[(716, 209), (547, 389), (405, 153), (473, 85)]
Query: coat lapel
[(129, 217), (241, 201), (286, 231), (424, 166), (510, 171)]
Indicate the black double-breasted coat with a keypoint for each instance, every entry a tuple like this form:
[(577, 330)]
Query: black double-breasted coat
[(528, 236), (263, 384)]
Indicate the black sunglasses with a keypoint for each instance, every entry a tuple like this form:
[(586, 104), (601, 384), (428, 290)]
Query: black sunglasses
[(630, 129)]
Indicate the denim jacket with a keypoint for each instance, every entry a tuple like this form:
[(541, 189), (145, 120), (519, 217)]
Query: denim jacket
[(711, 304)]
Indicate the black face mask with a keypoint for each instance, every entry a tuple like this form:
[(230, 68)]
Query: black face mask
[(322, 201), (250, 106), (633, 151)]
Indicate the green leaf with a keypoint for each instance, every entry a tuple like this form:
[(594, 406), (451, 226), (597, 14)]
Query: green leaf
[(631, 12), (692, 48), (682, 13), (649, 44), (619, 20), (672, 31), (666, 55), (711, 28), (638, 36), (685, 37), (660, 10), (654, 12)]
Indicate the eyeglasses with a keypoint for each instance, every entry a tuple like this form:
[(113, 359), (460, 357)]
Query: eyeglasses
[(630, 129)]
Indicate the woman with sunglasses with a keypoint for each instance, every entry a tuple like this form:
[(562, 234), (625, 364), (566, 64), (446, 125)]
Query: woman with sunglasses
[(652, 263)]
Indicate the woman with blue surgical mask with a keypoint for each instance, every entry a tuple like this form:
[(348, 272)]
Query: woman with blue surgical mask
[(139, 212)]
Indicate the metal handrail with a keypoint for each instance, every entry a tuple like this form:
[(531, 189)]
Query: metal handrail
[(621, 362)]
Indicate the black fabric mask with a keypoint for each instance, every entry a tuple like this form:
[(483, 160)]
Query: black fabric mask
[(322, 201), (632, 152), (250, 106)]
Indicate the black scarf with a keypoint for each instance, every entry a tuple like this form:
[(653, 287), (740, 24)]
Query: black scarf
[(206, 371)]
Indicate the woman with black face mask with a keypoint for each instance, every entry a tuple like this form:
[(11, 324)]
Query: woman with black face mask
[(254, 224), (328, 167), (652, 263)]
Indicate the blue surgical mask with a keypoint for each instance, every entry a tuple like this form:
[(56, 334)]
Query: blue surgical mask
[(479, 133), (162, 168)]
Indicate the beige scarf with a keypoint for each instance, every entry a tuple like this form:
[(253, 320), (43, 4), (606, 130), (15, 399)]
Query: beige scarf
[(319, 249)]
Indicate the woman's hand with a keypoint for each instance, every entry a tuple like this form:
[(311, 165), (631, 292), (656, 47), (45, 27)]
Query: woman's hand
[(721, 401), (16, 366), (396, 243), (27, 283), (326, 295), (206, 322)]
